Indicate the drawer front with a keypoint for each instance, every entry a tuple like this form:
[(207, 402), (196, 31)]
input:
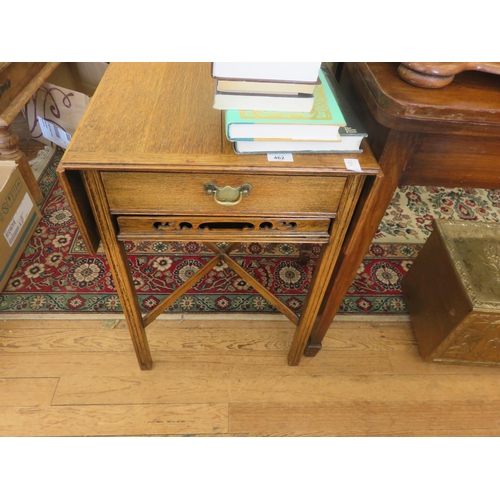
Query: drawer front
[(157, 193), (192, 228)]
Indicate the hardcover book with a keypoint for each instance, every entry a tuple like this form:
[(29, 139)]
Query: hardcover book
[(276, 88), (267, 71), (264, 102), (345, 145), (322, 123)]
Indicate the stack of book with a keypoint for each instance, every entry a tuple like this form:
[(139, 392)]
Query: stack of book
[(268, 125), (265, 86)]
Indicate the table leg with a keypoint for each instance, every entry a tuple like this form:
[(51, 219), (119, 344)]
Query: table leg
[(10, 151), (120, 269), (369, 213), (324, 269)]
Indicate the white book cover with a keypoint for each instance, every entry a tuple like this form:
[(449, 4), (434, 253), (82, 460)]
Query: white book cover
[(278, 71)]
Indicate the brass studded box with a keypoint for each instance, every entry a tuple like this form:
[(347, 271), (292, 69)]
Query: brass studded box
[(453, 293)]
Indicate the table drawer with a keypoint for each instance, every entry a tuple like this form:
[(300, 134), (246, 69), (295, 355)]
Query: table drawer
[(181, 193), (192, 228)]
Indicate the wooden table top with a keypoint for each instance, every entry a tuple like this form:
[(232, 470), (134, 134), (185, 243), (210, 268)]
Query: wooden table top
[(18, 82), (471, 101), (152, 115)]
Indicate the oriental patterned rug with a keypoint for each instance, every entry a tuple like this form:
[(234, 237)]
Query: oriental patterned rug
[(56, 275)]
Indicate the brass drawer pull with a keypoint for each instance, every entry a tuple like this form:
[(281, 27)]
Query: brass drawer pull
[(228, 196)]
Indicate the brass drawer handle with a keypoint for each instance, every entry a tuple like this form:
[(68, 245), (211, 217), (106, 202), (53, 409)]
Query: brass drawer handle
[(228, 196)]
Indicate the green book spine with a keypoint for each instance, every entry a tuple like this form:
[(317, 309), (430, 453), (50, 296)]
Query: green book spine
[(326, 111)]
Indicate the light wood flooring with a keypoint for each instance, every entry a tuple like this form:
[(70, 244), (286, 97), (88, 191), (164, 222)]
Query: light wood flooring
[(231, 378)]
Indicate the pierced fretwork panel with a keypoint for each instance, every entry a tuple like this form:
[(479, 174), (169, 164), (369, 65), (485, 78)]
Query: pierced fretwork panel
[(248, 229)]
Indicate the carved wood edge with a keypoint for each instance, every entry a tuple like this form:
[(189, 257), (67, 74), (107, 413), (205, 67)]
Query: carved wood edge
[(438, 75), (416, 117)]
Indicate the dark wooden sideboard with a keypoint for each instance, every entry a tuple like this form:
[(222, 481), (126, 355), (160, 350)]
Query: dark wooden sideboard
[(447, 137)]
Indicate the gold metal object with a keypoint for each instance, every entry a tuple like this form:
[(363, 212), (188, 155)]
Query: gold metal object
[(453, 295), (228, 196), (474, 248)]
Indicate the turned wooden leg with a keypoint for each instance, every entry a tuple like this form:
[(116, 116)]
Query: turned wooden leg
[(10, 151)]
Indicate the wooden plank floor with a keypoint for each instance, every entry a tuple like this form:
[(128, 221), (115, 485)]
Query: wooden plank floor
[(231, 378)]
